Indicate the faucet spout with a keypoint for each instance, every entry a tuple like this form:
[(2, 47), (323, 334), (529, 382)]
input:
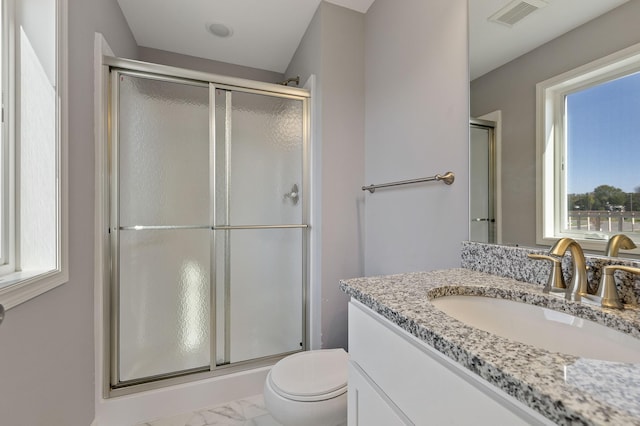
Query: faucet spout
[(617, 242), (578, 286)]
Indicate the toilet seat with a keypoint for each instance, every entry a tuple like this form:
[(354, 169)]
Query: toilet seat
[(311, 376)]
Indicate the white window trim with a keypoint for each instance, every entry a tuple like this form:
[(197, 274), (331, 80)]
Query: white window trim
[(19, 287), (550, 111), (8, 132)]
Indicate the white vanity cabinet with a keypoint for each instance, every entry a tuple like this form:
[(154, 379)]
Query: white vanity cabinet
[(396, 379), (368, 404)]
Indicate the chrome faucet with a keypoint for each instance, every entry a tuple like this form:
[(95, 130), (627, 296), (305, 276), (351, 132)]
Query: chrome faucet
[(578, 286), (617, 242)]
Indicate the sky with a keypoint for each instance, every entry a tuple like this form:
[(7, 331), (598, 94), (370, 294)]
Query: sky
[(604, 136)]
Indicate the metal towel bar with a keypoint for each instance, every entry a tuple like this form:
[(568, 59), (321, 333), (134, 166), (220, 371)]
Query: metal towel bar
[(447, 178), (215, 228)]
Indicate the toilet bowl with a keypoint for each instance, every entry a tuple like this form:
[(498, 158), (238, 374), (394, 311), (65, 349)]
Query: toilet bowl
[(309, 388)]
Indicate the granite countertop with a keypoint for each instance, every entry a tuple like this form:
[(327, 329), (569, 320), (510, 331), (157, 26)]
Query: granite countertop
[(564, 388)]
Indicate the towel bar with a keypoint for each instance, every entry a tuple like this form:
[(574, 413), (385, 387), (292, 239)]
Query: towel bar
[(447, 178)]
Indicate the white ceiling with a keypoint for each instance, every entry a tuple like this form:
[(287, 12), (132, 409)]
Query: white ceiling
[(266, 33)]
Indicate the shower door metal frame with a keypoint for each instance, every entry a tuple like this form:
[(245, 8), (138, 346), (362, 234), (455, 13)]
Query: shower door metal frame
[(305, 214), (489, 126), (117, 67)]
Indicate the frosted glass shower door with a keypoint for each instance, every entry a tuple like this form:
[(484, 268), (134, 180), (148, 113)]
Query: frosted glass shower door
[(161, 217), (259, 225), (208, 200)]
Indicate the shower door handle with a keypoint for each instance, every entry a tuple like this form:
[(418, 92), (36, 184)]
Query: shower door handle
[(294, 194)]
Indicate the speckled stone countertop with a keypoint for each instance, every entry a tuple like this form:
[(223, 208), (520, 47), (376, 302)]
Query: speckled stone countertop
[(564, 388)]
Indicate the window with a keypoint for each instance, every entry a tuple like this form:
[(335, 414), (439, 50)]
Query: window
[(33, 150), (588, 151)]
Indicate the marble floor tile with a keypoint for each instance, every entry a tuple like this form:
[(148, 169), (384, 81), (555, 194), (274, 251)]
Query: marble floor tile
[(264, 420), (243, 412)]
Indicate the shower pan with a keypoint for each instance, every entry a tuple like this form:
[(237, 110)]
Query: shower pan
[(208, 224)]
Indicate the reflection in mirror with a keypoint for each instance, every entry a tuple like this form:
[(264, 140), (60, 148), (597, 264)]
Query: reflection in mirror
[(588, 150), (482, 171), (507, 62), (618, 242)]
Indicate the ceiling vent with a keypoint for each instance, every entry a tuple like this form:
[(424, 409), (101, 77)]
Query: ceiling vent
[(516, 11)]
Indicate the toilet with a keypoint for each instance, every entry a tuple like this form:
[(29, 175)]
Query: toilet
[(309, 388)]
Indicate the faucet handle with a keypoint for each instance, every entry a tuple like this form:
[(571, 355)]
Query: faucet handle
[(555, 283), (607, 294)]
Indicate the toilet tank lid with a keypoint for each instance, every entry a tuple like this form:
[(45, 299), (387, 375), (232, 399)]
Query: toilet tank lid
[(312, 373)]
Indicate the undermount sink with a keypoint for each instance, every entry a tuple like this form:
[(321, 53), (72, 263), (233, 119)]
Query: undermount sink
[(541, 327)]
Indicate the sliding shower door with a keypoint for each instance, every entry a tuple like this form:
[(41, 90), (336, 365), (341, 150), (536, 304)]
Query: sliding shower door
[(208, 229), (162, 249), (259, 216)]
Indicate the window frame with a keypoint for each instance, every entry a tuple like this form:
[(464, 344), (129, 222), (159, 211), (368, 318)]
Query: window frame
[(17, 286), (551, 200), (7, 242)]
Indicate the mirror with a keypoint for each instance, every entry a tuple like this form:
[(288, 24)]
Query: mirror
[(506, 64)]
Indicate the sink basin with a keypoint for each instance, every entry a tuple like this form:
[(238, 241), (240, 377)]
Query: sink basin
[(541, 327)]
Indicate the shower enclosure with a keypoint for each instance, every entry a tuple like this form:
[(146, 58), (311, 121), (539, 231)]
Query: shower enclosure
[(208, 223)]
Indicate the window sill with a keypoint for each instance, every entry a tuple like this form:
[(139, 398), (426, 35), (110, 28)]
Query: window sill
[(593, 245), (19, 287)]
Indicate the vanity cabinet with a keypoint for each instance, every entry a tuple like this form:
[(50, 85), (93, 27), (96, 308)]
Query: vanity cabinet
[(395, 379), (368, 404)]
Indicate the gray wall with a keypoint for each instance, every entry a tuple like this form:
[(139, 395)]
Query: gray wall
[(400, 113), (163, 57), (511, 89), (333, 50), (416, 126), (46, 344)]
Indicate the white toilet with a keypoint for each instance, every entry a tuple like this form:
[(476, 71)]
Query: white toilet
[(309, 388)]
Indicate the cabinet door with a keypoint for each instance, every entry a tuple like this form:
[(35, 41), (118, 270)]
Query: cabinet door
[(424, 384), (367, 405)]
